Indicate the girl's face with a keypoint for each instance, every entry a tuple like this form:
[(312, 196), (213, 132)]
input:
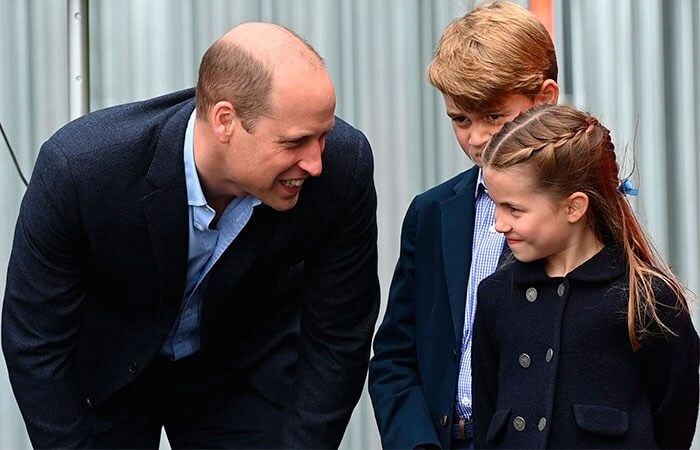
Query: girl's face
[(534, 225)]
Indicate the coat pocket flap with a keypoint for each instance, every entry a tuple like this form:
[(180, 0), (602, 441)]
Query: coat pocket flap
[(601, 420), (498, 421)]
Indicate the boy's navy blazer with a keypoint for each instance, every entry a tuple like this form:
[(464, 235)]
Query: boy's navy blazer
[(98, 266), (413, 374)]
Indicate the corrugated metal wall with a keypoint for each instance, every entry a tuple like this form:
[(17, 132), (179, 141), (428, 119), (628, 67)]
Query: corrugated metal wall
[(629, 61)]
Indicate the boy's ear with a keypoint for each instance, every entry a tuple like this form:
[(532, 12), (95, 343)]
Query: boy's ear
[(549, 93), (576, 206)]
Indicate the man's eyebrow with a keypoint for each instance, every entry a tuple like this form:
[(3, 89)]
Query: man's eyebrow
[(301, 137)]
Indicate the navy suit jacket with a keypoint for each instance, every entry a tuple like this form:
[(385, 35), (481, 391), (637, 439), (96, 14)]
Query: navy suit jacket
[(98, 268), (413, 374)]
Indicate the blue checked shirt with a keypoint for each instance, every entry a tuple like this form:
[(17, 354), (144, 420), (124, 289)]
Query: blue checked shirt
[(206, 245), (486, 250)]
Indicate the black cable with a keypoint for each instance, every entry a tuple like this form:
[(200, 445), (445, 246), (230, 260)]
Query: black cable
[(12, 154)]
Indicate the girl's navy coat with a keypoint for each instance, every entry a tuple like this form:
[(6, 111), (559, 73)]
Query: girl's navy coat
[(553, 366)]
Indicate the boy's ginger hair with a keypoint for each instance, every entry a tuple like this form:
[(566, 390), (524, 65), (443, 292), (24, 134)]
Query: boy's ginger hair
[(496, 49)]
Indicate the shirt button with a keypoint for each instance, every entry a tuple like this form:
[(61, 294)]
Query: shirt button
[(524, 360), (548, 356), (465, 401), (531, 294), (133, 367), (519, 423), (561, 289), (89, 402), (542, 424)]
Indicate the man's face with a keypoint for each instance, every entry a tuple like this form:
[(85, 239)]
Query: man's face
[(281, 151), (474, 129)]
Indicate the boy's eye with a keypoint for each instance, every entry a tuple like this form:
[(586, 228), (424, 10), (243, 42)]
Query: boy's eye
[(494, 117), (459, 119)]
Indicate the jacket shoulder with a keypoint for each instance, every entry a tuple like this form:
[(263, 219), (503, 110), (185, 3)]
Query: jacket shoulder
[(446, 189)]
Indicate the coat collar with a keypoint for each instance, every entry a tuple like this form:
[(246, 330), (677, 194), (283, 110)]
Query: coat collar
[(606, 265), (165, 206)]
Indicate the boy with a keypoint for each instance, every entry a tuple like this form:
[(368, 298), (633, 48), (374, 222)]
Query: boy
[(491, 64)]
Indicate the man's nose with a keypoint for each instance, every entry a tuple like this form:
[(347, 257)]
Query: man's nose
[(311, 161)]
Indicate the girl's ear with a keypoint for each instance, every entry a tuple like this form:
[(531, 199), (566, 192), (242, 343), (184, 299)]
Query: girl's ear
[(576, 206)]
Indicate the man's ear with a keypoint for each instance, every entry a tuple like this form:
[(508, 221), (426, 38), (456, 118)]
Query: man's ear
[(222, 117), (549, 93), (576, 206)]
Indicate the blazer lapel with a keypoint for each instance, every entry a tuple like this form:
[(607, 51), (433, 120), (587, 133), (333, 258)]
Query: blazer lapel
[(165, 207), (457, 236), (242, 252)]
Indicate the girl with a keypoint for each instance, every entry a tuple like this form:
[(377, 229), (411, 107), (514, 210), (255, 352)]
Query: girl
[(585, 341)]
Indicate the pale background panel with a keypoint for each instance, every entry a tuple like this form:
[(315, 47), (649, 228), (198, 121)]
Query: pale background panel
[(631, 62)]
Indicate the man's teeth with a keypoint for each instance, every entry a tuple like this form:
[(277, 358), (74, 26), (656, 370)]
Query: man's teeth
[(292, 183)]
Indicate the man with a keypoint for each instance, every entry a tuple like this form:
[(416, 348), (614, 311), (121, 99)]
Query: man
[(206, 270), (490, 65)]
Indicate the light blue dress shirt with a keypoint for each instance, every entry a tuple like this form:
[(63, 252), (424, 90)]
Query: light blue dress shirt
[(486, 251), (206, 245)]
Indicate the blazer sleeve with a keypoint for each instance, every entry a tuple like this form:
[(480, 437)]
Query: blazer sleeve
[(670, 363), (341, 303), (42, 307), (399, 403)]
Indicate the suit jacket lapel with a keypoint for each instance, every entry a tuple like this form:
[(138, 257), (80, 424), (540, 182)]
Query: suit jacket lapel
[(165, 207), (457, 236), (241, 253)]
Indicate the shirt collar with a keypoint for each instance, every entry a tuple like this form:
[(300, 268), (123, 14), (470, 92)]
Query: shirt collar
[(480, 186), (195, 195)]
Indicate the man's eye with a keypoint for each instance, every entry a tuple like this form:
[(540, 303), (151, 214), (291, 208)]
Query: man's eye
[(294, 144)]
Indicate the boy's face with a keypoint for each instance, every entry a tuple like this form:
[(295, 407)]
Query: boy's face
[(474, 129)]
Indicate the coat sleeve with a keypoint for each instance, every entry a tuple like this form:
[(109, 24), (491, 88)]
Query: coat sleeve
[(671, 371), (341, 303), (484, 367), (394, 382), (42, 307)]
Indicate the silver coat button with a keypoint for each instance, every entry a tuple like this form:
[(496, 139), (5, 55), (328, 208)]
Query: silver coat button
[(531, 294), (524, 360), (542, 424), (548, 356), (561, 289), (519, 423)]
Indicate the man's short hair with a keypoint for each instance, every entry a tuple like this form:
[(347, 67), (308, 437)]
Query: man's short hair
[(228, 72), (499, 48)]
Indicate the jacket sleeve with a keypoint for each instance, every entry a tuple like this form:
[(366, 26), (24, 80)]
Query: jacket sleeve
[(341, 303), (671, 371), (484, 369), (399, 403), (42, 307)]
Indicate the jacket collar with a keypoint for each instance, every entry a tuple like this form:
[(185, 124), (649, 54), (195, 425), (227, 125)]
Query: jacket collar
[(606, 265)]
